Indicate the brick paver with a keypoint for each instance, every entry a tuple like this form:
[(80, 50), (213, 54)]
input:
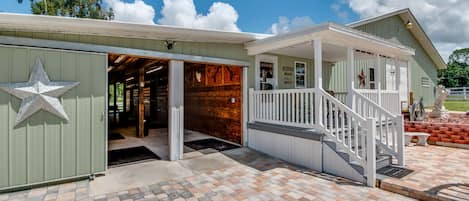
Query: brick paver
[(256, 177), (440, 173)]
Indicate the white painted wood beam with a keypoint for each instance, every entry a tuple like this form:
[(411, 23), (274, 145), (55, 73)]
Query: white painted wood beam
[(350, 79), (176, 110), (378, 78)]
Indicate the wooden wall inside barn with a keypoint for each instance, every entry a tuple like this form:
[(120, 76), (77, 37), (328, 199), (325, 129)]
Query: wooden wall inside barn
[(208, 90)]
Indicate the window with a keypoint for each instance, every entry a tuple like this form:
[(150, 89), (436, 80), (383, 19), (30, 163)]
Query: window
[(425, 81), (372, 78), (300, 74)]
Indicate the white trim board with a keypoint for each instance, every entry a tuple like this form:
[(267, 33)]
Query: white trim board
[(305, 74), (62, 45), (265, 58)]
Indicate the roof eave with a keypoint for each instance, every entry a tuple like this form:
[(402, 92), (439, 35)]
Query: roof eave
[(67, 25)]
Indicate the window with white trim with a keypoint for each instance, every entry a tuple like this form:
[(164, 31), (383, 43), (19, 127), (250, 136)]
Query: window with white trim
[(300, 74)]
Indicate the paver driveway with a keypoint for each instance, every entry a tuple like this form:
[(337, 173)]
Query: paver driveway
[(253, 177), (440, 173)]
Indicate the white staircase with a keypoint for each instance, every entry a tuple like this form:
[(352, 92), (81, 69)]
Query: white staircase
[(352, 132)]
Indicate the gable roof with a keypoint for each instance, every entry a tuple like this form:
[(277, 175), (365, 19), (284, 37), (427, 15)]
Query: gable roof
[(417, 31)]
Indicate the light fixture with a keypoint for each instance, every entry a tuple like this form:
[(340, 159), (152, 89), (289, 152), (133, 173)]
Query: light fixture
[(154, 70), (119, 59), (130, 78), (409, 24), (170, 44)]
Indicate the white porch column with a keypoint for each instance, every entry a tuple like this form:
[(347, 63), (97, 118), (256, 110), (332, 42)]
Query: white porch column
[(397, 65), (350, 80), (317, 44), (378, 77), (176, 109), (317, 63)]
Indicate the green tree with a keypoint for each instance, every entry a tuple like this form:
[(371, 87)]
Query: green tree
[(457, 72), (71, 8)]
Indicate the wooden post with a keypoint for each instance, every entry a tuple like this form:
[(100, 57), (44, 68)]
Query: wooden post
[(176, 109), (398, 73), (115, 102), (317, 45), (465, 94), (400, 140), (124, 91), (141, 106), (371, 152), (350, 77)]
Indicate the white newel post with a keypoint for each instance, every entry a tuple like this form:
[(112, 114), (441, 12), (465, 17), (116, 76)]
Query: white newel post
[(400, 140), (371, 152), (176, 110), (378, 78), (350, 77), (251, 105), (397, 64), (317, 45), (398, 74)]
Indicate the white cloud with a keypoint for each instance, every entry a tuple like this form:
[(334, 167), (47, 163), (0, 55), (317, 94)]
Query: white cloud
[(285, 25), (138, 11), (446, 22), (221, 16), (337, 8)]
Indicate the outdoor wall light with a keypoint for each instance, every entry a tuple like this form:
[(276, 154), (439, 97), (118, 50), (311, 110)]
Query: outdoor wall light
[(170, 44), (409, 24)]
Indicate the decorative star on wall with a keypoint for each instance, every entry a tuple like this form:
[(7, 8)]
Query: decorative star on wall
[(362, 78), (39, 93)]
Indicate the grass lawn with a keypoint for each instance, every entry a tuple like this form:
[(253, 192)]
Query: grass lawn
[(462, 106)]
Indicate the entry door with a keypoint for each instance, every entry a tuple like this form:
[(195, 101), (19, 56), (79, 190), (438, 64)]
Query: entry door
[(404, 85), (266, 72)]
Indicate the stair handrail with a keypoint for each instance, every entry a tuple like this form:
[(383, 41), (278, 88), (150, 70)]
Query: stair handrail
[(367, 125), (396, 145)]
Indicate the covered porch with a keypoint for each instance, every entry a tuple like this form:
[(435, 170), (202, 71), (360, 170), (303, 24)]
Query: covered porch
[(295, 86), (349, 61)]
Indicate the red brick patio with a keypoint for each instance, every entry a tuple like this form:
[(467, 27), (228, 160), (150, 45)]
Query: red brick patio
[(441, 173)]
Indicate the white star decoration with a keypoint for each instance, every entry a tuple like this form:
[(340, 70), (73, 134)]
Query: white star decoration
[(38, 93)]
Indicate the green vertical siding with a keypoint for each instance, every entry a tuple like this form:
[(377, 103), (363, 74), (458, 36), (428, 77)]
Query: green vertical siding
[(44, 147)]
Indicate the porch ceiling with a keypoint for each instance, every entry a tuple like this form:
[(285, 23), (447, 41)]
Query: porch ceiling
[(335, 39)]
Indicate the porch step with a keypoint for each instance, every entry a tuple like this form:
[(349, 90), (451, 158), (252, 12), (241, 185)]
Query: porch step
[(382, 160), (331, 144)]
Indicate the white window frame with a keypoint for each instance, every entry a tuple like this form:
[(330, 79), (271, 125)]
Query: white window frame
[(270, 59), (305, 74), (369, 77)]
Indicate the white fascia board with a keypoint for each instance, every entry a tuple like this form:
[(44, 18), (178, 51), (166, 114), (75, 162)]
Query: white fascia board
[(285, 40), (68, 25), (61, 45), (398, 49), (329, 33)]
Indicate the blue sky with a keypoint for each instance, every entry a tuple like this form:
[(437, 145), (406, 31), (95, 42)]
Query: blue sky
[(262, 16), (254, 15)]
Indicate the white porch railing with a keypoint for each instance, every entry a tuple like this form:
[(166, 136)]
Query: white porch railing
[(315, 108), (389, 127), (389, 99), (291, 107)]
